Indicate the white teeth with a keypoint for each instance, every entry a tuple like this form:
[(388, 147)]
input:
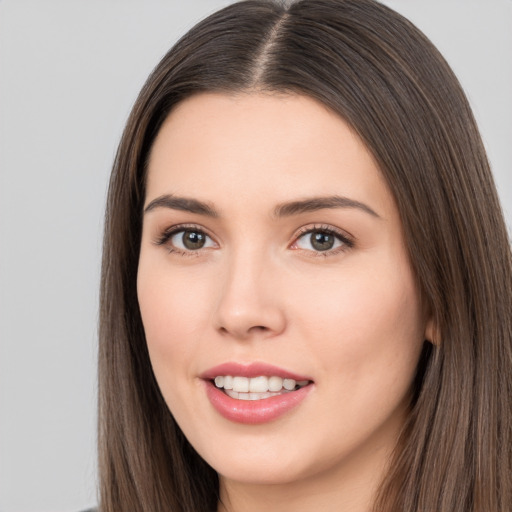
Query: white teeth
[(241, 384), (289, 384), (258, 384), (249, 396), (228, 382), (254, 388), (275, 383)]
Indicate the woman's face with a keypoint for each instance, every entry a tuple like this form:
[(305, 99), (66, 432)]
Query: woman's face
[(272, 253)]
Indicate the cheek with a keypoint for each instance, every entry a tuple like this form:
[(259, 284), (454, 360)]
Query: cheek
[(365, 323), (365, 334), (172, 316)]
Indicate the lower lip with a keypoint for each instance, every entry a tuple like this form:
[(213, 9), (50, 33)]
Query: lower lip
[(254, 412)]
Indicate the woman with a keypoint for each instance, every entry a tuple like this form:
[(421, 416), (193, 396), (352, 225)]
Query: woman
[(306, 287)]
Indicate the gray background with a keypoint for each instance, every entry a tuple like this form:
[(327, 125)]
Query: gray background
[(69, 73)]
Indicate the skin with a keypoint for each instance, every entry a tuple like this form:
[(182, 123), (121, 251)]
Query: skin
[(350, 318)]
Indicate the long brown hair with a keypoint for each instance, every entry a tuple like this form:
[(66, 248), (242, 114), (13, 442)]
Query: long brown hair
[(383, 77)]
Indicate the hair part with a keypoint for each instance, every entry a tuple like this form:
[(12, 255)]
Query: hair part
[(388, 82)]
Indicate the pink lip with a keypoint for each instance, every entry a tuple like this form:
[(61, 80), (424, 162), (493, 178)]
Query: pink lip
[(253, 412)]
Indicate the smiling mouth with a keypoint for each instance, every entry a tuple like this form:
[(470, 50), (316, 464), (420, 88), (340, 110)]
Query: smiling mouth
[(256, 388)]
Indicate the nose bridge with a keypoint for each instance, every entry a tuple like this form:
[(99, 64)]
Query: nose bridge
[(248, 302)]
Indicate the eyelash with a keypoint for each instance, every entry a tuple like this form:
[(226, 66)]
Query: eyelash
[(346, 241)]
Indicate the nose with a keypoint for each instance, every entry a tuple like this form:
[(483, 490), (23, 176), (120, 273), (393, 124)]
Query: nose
[(249, 303)]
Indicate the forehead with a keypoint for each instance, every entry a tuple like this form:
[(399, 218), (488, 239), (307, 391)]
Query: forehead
[(275, 147)]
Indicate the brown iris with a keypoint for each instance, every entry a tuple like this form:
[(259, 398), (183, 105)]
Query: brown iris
[(322, 241), (193, 240)]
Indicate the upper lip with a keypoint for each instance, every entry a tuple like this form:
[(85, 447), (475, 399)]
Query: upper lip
[(255, 369)]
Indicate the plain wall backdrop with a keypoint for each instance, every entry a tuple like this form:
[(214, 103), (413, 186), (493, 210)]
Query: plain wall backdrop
[(69, 72)]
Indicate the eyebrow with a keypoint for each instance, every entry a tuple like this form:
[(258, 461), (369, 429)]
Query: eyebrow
[(182, 203), (282, 210), (320, 203)]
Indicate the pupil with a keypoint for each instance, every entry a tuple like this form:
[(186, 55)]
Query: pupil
[(193, 240), (322, 241)]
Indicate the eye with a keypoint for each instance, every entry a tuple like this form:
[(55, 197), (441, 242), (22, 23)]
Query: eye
[(320, 240), (191, 240), (185, 240)]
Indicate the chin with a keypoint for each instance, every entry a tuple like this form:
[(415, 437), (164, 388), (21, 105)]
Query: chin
[(260, 474), (260, 466)]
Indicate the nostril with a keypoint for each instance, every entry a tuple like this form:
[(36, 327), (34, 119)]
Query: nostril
[(259, 328)]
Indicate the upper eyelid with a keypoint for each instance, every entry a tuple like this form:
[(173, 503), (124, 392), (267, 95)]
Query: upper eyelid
[(186, 227), (323, 227), (165, 235)]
